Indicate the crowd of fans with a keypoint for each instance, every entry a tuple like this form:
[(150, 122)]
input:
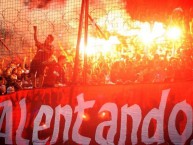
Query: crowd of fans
[(105, 70), (121, 68), (14, 77), (141, 68)]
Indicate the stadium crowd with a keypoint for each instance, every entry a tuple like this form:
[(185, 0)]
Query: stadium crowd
[(139, 68)]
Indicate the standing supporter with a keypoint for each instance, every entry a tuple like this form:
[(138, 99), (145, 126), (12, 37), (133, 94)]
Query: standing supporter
[(7, 74), (55, 74), (3, 90), (42, 56), (26, 81), (10, 89), (13, 81), (20, 73), (14, 74), (2, 85)]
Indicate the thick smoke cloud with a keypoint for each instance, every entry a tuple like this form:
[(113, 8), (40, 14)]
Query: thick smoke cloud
[(17, 18), (58, 17)]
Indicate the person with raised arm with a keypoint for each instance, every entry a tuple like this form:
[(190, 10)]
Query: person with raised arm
[(43, 55)]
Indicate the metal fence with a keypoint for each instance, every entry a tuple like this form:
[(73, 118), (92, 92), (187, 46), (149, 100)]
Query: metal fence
[(61, 19)]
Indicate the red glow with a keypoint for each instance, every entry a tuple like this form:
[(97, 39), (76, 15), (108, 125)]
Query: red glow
[(85, 117), (158, 10), (41, 3), (104, 115)]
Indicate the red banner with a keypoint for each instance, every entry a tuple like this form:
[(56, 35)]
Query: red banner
[(112, 114)]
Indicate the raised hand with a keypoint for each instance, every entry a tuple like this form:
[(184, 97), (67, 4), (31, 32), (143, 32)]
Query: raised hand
[(35, 28)]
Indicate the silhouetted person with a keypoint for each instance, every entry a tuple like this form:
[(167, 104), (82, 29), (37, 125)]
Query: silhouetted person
[(55, 74), (42, 56)]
